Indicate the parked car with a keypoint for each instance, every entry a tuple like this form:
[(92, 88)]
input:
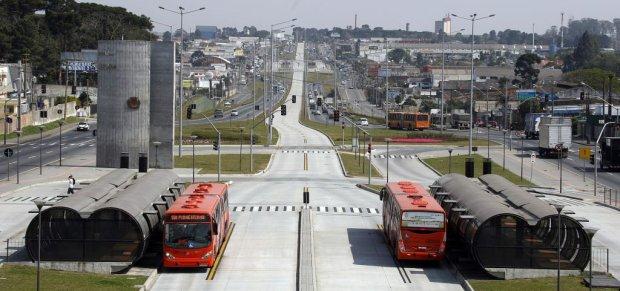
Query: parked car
[(234, 112), (218, 113), (82, 126), (363, 121), (227, 103)]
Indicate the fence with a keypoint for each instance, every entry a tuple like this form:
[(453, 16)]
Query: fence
[(12, 248)]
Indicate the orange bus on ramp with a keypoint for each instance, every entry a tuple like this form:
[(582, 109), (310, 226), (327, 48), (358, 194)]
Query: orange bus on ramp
[(195, 226), (414, 223)]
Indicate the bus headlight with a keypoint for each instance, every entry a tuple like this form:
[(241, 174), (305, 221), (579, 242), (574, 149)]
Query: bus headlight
[(169, 256), (207, 255)]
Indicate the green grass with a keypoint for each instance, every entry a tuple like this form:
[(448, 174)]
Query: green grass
[(230, 163), (357, 167), (458, 166), (24, 278), (567, 283), (231, 132), (30, 130)]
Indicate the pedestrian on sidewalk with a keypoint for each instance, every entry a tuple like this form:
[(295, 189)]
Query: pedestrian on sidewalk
[(71, 185)]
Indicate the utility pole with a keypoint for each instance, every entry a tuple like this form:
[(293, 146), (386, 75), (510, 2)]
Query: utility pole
[(562, 31)]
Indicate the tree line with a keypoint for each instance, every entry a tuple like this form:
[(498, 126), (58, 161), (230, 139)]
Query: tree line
[(42, 29)]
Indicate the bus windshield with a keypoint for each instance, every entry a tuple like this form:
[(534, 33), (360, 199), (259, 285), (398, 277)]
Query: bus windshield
[(188, 235), (422, 219)]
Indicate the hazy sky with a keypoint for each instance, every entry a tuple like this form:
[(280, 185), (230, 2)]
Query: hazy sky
[(514, 14)]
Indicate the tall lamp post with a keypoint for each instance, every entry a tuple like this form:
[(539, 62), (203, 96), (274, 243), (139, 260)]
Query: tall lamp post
[(19, 133), (387, 176), (469, 164), (181, 12), (40, 150), (39, 203), (60, 122), (193, 138), (240, 147), (219, 146)]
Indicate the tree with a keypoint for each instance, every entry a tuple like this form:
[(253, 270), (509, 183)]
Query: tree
[(167, 36), (197, 58), (84, 99), (397, 55), (526, 70), (587, 49), (594, 77)]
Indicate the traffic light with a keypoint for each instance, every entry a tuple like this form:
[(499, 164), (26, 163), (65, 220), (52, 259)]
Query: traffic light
[(582, 96), (73, 90), (369, 148), (216, 145), (319, 101), (283, 109), (294, 98), (592, 159), (43, 88), (189, 112), (336, 115)]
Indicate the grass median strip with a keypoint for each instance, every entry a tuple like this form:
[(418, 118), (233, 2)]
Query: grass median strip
[(567, 283), (458, 166), (230, 163), (24, 278), (355, 166)]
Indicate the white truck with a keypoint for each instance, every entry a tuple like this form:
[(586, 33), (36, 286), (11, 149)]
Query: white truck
[(555, 136)]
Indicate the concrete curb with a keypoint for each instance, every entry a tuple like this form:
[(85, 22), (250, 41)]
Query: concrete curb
[(459, 277), (150, 281), (344, 170), (607, 205), (266, 169), (364, 187), (428, 166)]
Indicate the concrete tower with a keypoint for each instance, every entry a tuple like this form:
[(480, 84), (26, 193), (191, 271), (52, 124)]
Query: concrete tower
[(123, 107), (162, 104)]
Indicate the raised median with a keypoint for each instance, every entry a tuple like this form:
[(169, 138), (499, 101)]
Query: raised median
[(231, 163)]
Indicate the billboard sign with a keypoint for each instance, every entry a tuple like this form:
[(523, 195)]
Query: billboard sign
[(523, 95), (80, 66)]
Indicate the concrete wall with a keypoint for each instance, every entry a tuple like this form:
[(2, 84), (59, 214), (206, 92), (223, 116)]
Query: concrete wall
[(124, 72), (162, 114)]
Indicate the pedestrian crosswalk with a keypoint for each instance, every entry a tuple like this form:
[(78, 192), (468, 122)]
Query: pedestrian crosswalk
[(29, 199), (405, 157), (306, 151), (294, 208)]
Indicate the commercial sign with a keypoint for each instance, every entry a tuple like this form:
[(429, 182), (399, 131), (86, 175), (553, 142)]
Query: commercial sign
[(523, 95), (80, 66), (187, 84), (188, 217)]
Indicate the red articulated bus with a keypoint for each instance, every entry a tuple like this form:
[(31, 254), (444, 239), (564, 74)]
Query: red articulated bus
[(196, 225), (413, 222)]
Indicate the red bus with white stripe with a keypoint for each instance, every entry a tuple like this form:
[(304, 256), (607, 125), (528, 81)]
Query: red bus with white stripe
[(414, 223), (195, 226)]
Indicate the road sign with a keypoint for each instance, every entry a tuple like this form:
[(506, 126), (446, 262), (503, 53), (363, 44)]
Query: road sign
[(584, 153), (354, 142), (532, 157), (8, 152)]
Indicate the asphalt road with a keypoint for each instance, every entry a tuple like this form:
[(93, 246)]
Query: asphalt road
[(572, 162), (73, 143)]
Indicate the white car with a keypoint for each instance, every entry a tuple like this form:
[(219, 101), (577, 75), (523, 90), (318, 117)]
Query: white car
[(227, 103), (363, 121), (234, 113), (82, 126)]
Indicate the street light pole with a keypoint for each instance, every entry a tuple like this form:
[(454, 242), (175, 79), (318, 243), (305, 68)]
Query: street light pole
[(522, 156), (193, 138), (40, 150), (60, 142), (181, 12), (387, 176), (19, 133), (240, 147), (443, 68)]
